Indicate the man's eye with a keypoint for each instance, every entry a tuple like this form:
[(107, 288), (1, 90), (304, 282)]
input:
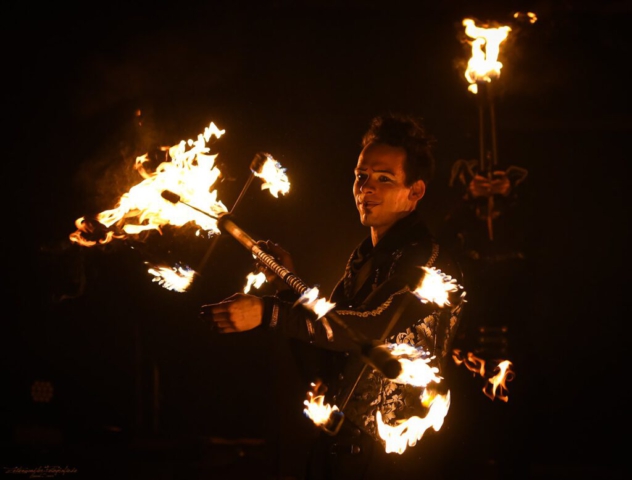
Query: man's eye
[(360, 176), (384, 179)]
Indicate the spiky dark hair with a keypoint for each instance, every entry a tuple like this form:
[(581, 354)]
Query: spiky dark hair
[(408, 132)]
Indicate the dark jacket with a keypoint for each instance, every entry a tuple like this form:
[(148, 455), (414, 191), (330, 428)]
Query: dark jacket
[(375, 297)]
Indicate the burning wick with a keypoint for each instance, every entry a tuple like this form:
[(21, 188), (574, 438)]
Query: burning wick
[(274, 176), (435, 287), (329, 418)]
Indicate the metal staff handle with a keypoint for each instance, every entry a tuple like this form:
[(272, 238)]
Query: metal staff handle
[(486, 164), (373, 352)]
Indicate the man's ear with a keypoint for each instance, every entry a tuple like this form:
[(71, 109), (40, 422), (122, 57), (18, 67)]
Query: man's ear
[(417, 190)]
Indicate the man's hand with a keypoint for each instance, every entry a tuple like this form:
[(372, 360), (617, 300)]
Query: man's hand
[(238, 313), (282, 257)]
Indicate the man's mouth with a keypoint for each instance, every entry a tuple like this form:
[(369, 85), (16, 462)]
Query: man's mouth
[(367, 205)]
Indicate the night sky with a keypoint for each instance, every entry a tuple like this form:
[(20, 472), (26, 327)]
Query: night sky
[(300, 80)]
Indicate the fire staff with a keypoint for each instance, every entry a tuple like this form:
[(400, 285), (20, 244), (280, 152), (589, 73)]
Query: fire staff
[(375, 296)]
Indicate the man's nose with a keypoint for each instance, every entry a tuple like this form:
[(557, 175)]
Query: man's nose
[(367, 185)]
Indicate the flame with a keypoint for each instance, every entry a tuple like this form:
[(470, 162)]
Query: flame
[(497, 382), (176, 278), (529, 16), (435, 287), (483, 66), (191, 174), (414, 361), (310, 300), (254, 279), (316, 408), (407, 433), (471, 362), (274, 177), (495, 386)]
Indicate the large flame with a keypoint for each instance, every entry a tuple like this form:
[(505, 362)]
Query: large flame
[(191, 174), (416, 371), (483, 65), (274, 177), (407, 433)]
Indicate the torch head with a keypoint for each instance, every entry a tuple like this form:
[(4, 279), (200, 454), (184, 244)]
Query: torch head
[(258, 161), (170, 196), (381, 358)]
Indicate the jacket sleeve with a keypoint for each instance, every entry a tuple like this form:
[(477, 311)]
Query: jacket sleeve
[(391, 310)]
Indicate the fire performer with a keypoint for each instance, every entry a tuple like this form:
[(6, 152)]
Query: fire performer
[(375, 297)]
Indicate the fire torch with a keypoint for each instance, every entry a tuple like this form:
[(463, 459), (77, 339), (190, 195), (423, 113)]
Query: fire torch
[(482, 68)]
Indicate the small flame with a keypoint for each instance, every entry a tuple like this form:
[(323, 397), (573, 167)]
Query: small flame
[(414, 361), (310, 300), (274, 177), (435, 287), (190, 174), (471, 362), (254, 280), (316, 408), (529, 16), (176, 278), (483, 66), (407, 433), (495, 386)]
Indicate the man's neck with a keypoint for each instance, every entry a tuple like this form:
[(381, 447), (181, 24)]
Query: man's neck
[(376, 236), (378, 233)]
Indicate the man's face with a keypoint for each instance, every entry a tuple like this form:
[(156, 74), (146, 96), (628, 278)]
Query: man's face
[(380, 190)]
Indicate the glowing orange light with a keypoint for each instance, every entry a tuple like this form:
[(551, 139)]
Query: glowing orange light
[(177, 278), (316, 409), (483, 66), (435, 287), (529, 16), (310, 299), (254, 280), (274, 177), (191, 174), (407, 433), (495, 386), (415, 362)]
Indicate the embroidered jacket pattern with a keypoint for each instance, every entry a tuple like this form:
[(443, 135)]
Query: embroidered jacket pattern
[(375, 297)]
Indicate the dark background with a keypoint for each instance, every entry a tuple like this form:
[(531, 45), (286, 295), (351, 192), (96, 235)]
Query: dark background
[(141, 388)]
